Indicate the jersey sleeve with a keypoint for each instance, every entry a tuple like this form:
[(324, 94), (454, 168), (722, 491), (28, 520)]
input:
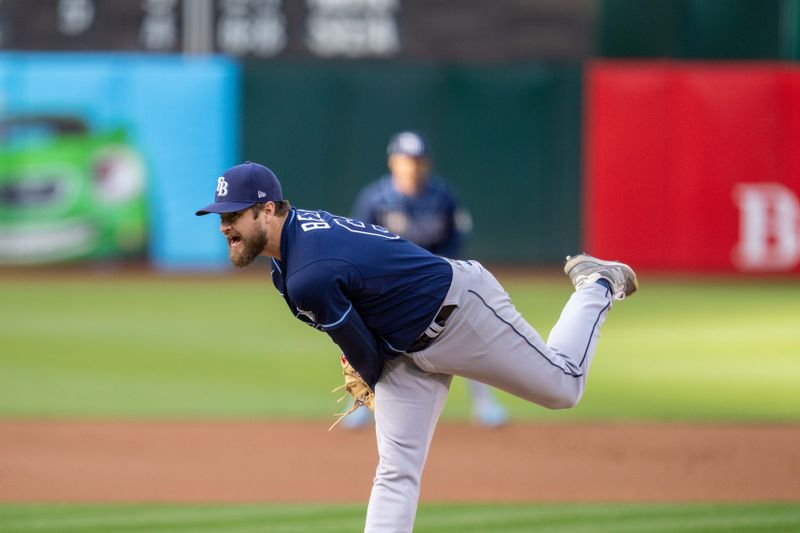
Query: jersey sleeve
[(319, 292), (360, 347)]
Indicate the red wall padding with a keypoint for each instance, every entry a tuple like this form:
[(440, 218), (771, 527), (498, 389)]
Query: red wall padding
[(693, 166)]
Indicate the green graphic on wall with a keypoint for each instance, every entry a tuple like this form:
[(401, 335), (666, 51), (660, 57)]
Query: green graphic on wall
[(67, 192)]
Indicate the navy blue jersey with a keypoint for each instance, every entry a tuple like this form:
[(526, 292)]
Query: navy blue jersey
[(432, 218), (373, 292)]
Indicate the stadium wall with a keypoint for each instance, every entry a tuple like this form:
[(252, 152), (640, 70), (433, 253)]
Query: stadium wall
[(507, 137), (694, 166)]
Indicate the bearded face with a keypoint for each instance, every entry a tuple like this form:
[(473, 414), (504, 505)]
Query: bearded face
[(243, 249)]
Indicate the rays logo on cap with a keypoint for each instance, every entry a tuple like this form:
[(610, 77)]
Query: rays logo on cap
[(243, 186), (222, 186)]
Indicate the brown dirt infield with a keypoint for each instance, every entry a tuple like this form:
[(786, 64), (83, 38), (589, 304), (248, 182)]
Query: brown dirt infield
[(78, 461)]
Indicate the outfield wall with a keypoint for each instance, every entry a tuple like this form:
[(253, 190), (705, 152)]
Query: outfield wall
[(107, 156), (507, 137), (694, 166), (683, 166)]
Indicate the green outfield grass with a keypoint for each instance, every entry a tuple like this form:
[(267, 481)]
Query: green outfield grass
[(556, 518), (228, 347)]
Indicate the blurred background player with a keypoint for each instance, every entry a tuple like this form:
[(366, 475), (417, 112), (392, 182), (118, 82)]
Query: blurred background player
[(416, 204)]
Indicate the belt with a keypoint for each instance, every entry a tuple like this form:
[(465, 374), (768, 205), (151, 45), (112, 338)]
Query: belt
[(424, 340)]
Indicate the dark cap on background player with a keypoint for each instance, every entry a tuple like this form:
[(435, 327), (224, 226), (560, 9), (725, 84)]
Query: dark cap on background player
[(409, 143), (243, 186)]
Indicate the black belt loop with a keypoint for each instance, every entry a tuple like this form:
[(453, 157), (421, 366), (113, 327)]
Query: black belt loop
[(424, 340)]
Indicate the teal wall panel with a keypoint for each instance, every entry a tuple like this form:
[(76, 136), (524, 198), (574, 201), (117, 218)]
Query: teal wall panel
[(506, 136)]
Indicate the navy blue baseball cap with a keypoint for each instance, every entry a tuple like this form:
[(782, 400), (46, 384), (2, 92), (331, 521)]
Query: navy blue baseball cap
[(408, 143), (243, 186)]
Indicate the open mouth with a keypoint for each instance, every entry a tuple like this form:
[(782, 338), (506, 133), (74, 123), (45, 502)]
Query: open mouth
[(234, 241)]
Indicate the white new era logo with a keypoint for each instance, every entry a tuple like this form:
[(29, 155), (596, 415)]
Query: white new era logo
[(261, 194), (222, 186)]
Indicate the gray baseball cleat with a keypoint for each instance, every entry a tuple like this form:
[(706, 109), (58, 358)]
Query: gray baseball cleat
[(584, 268)]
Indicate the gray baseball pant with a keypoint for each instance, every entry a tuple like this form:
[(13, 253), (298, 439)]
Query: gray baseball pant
[(487, 340)]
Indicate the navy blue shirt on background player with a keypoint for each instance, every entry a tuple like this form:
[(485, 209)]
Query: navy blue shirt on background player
[(415, 202), (429, 218)]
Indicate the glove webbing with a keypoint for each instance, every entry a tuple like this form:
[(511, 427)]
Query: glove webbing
[(356, 404)]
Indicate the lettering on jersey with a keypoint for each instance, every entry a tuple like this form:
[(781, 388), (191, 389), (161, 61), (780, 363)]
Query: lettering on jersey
[(310, 220), (356, 226), (222, 186)]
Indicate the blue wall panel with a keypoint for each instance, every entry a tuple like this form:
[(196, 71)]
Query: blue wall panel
[(181, 114)]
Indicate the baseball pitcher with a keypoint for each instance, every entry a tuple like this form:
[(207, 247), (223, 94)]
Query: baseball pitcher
[(407, 321)]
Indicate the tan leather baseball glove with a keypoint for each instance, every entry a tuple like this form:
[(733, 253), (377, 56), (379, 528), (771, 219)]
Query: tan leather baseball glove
[(356, 388)]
